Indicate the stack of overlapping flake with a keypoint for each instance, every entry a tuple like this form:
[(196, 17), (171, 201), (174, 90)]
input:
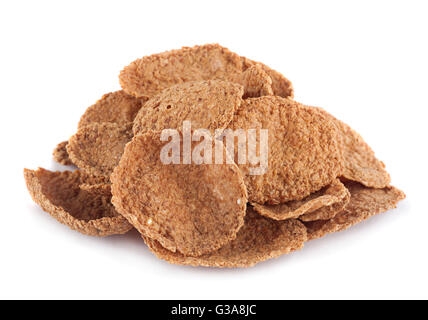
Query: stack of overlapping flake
[(144, 160)]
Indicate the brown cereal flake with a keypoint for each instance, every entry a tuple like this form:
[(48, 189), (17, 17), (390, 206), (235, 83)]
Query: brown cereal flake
[(97, 148), (317, 205), (303, 153), (114, 107), (150, 75), (193, 209), (258, 240), (206, 104), (90, 179), (256, 82), (100, 188), (360, 162), (59, 194), (60, 154), (281, 86), (328, 212), (365, 202)]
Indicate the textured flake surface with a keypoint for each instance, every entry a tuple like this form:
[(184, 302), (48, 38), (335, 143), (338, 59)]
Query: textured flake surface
[(115, 107), (97, 148), (194, 209), (258, 240), (149, 75), (330, 211), (365, 202), (206, 104), (303, 153), (60, 154), (256, 82), (281, 86), (97, 189), (316, 206), (360, 163), (59, 194)]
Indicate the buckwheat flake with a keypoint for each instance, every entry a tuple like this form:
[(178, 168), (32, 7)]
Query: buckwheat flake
[(150, 75), (60, 195), (114, 107), (258, 240), (303, 154), (206, 104), (97, 148), (192, 207), (359, 161), (60, 154), (365, 202), (256, 82), (323, 204)]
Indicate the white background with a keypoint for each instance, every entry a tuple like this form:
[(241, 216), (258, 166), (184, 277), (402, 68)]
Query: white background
[(365, 62)]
